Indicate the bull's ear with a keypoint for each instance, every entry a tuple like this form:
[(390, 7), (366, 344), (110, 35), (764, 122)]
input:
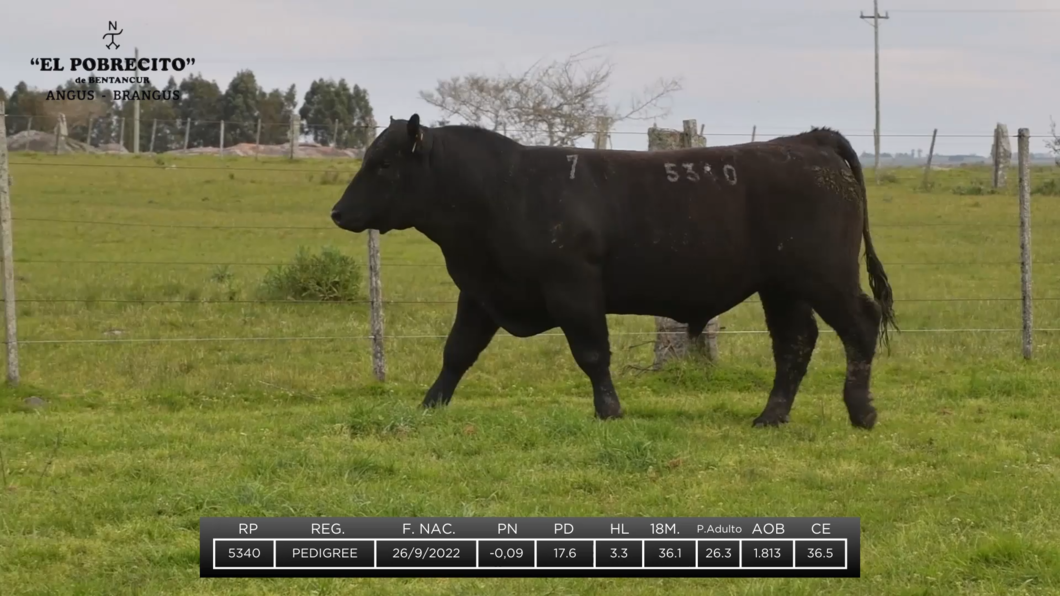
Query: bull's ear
[(391, 119), (414, 128), (415, 132)]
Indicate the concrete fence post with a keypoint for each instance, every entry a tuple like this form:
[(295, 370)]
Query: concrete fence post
[(672, 339)]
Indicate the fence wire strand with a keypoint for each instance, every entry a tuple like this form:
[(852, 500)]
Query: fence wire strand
[(335, 228), (345, 127), (441, 336)]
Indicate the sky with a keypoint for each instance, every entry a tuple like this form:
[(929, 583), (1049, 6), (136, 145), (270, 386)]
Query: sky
[(780, 65)]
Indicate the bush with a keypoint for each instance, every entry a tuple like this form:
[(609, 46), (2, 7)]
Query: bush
[(329, 275), (331, 176), (975, 189), (1049, 188)]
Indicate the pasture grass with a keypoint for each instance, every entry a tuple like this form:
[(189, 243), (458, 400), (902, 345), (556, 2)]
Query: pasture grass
[(958, 487)]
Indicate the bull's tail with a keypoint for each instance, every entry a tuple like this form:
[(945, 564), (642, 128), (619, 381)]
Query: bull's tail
[(881, 288)]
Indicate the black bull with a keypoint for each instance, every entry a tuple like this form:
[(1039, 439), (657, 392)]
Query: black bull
[(540, 237)]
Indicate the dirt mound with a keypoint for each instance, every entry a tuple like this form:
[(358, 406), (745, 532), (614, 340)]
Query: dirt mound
[(250, 149), (44, 142), (112, 148)]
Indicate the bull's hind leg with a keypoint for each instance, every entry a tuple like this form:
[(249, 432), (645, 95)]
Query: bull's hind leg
[(856, 318), (794, 333)]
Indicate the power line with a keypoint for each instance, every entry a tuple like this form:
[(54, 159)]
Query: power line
[(977, 10)]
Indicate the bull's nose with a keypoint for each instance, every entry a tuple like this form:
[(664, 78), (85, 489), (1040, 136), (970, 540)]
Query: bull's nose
[(336, 216)]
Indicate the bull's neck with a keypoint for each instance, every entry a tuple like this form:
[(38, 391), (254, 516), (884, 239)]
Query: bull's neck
[(469, 178)]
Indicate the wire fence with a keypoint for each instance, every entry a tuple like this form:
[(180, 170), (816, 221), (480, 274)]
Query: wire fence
[(346, 139), (18, 123), (376, 304)]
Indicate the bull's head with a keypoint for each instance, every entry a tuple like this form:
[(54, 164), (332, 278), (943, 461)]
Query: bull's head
[(393, 185)]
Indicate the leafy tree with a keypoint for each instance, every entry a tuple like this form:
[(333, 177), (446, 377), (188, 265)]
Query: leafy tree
[(79, 113), (240, 108), (162, 111), (105, 127), (202, 102), (275, 110), (3, 98), (328, 102), (363, 124), (26, 103)]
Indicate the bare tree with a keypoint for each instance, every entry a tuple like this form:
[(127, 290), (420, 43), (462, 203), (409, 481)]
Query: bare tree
[(555, 104), (1054, 144)]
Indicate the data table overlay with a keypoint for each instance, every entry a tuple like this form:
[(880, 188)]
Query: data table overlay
[(530, 547)]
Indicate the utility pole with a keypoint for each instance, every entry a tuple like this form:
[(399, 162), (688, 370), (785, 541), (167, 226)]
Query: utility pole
[(875, 17)]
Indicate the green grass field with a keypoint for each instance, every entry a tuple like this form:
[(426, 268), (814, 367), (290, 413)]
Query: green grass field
[(958, 486)]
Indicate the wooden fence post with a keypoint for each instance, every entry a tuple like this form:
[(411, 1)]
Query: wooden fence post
[(222, 139), (1023, 147), (187, 133), (7, 246), (88, 135), (154, 129), (121, 133), (671, 338), (931, 154), (754, 129), (375, 298)]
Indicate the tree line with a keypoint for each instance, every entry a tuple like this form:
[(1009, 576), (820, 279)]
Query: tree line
[(551, 103), (241, 105)]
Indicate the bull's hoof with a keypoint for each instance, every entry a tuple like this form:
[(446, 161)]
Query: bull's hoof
[(609, 412), (771, 420), (865, 420), (434, 401)]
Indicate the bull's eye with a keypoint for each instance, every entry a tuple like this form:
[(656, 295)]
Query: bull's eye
[(384, 165)]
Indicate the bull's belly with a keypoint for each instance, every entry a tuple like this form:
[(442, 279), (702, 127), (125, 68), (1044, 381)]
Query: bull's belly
[(680, 290), (521, 318)]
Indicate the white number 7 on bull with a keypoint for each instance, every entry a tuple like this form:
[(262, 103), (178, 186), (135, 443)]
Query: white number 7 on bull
[(573, 159)]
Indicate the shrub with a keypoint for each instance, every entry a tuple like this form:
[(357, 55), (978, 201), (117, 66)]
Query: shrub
[(974, 189), (1049, 188), (329, 275), (888, 178), (331, 176)]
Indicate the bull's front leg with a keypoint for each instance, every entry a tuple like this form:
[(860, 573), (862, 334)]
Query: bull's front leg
[(576, 303), (472, 332)]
